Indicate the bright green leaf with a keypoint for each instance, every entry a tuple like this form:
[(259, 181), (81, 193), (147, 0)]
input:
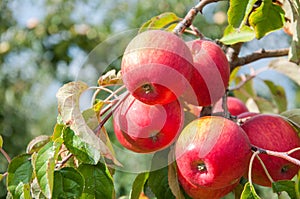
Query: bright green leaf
[(138, 185), (285, 185), (1, 141), (44, 164), (249, 192), (68, 183), (68, 107), (278, 95), (266, 18), (82, 151), (233, 35), (98, 181), (37, 143), (163, 20), (58, 130), (19, 176), (239, 11)]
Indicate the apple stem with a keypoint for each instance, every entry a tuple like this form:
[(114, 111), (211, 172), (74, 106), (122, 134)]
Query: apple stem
[(283, 155), (251, 165), (5, 155), (206, 111), (265, 169)]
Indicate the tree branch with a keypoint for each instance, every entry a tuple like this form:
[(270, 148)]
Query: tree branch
[(239, 61), (189, 17)]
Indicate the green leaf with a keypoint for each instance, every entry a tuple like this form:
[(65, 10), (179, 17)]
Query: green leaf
[(293, 116), (266, 18), (173, 181), (138, 185), (44, 163), (68, 107), (233, 35), (297, 185), (37, 143), (1, 141), (278, 95), (98, 181), (249, 192), (238, 12), (163, 20), (81, 150), (68, 183), (36, 190), (58, 130), (285, 185), (19, 176), (265, 105)]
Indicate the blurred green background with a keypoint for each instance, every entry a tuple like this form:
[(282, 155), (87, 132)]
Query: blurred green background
[(44, 42)]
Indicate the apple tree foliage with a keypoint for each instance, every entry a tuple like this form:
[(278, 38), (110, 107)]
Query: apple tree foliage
[(76, 160)]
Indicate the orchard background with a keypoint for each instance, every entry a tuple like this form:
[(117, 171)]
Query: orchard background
[(44, 45)]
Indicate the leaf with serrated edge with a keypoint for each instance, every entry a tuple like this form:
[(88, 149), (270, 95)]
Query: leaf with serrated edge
[(44, 164), (68, 107), (138, 185), (285, 185), (98, 181), (249, 192), (266, 18), (68, 183), (19, 175)]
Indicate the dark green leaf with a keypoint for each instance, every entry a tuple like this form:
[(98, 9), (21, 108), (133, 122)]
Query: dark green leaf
[(44, 163), (233, 35), (278, 95), (68, 183), (98, 181), (138, 185), (37, 143), (266, 18), (297, 185), (82, 151), (239, 11), (161, 21), (249, 192), (285, 185), (19, 176)]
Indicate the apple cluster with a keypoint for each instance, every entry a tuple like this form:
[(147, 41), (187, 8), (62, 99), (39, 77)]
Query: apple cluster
[(163, 75)]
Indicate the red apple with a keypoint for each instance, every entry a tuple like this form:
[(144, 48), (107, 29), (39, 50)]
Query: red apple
[(147, 128), (235, 106), (197, 192), (210, 75), (273, 133), (156, 66), (212, 152)]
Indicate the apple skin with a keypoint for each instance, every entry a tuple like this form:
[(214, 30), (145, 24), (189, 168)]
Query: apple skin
[(144, 128), (235, 106), (210, 75), (197, 192), (212, 152), (156, 67), (273, 133)]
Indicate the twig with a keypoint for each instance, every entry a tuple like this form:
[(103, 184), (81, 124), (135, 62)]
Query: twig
[(189, 18), (283, 155), (64, 161), (239, 61), (5, 155)]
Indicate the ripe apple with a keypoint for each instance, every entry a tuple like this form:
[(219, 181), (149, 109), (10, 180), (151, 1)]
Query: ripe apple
[(273, 133), (156, 66), (212, 152), (147, 128), (235, 106), (198, 192), (210, 75)]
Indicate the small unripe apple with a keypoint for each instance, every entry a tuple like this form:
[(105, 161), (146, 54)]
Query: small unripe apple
[(235, 106), (147, 128), (273, 133), (210, 75), (156, 66), (212, 152)]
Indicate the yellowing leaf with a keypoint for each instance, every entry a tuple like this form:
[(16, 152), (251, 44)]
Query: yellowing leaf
[(111, 77), (68, 107)]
